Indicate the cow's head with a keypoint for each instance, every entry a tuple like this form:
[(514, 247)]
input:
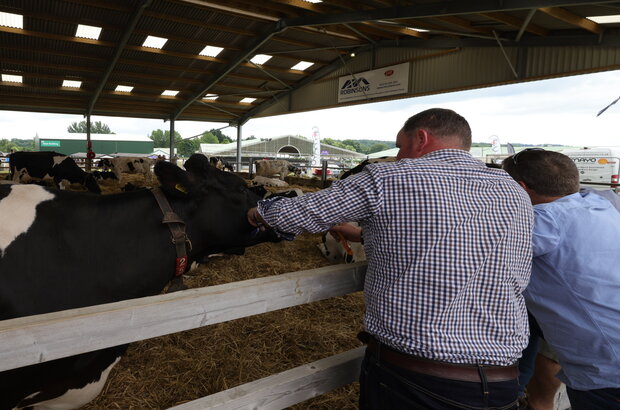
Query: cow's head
[(215, 202), (90, 182), (296, 171)]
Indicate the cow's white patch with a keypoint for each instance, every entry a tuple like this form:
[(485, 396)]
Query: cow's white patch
[(259, 180), (58, 159), (18, 211), (76, 398)]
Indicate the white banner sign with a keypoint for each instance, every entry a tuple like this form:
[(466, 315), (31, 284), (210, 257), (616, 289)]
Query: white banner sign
[(376, 83)]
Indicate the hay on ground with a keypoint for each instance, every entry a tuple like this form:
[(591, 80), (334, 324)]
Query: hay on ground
[(171, 370)]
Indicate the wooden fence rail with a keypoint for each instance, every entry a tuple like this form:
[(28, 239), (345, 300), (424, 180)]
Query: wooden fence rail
[(39, 338)]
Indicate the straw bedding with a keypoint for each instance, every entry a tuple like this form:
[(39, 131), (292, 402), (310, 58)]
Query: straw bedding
[(171, 370)]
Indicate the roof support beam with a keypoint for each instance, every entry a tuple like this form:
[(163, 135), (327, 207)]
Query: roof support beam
[(117, 54), (571, 18), (241, 58), (445, 8), (525, 24)]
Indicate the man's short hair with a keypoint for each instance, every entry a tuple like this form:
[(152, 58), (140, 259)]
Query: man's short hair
[(442, 124), (548, 173)]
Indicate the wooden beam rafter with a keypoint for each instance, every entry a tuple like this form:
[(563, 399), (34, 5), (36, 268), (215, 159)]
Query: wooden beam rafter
[(517, 23), (572, 18)]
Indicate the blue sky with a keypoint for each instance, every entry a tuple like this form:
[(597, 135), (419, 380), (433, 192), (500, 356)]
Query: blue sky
[(558, 111)]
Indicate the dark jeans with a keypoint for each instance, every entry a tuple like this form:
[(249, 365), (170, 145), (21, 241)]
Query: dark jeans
[(387, 387), (527, 363), (601, 399)]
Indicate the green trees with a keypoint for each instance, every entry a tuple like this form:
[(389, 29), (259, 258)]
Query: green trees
[(16, 145), (96, 127), (362, 146), (188, 146), (161, 138)]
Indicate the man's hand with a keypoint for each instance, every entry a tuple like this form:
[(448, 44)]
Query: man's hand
[(349, 232), (256, 220)]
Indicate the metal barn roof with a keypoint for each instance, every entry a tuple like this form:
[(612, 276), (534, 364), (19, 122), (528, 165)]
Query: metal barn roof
[(92, 57)]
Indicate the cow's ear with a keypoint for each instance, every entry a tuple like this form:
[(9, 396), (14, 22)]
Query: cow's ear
[(174, 181), (198, 164)]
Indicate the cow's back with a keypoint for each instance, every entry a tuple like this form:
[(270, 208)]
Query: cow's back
[(37, 163)]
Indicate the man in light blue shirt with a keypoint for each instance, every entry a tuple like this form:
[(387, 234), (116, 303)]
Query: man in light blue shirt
[(574, 290)]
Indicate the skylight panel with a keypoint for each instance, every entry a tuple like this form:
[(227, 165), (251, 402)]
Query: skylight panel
[(612, 18), (12, 78), (71, 83), (248, 100), (301, 66), (314, 1), (11, 20), (211, 51), (154, 42), (123, 88), (259, 59), (85, 31), (421, 30), (170, 93), (211, 97)]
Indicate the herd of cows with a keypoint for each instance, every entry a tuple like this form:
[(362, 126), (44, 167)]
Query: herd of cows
[(69, 273)]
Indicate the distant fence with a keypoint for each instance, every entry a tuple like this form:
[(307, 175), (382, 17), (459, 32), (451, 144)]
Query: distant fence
[(4, 163)]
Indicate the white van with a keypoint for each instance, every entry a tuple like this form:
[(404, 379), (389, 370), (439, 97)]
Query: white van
[(598, 165)]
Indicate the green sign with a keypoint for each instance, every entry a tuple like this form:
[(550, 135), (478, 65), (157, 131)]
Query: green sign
[(50, 144)]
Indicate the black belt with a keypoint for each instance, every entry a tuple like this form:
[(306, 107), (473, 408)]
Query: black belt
[(461, 372)]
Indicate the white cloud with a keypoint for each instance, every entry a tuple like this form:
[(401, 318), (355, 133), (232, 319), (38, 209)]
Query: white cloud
[(559, 111)]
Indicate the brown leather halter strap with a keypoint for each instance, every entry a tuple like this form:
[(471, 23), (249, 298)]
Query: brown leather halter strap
[(177, 228)]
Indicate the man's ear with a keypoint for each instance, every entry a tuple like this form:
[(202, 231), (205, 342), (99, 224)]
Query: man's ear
[(424, 140)]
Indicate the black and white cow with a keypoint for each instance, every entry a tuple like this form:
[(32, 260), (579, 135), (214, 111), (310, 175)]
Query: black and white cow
[(222, 164), (270, 167), (338, 249), (36, 166), (133, 257), (359, 167), (129, 165)]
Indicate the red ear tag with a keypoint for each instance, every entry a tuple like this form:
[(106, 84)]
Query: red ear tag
[(180, 266)]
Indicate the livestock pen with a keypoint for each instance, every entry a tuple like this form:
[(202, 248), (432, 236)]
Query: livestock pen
[(40, 338), (278, 323)]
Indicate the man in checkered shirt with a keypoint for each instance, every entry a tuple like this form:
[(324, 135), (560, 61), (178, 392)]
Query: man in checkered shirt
[(448, 243)]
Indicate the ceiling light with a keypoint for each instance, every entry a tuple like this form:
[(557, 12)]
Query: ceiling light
[(210, 97), (123, 88), (85, 31), (154, 42), (211, 51), (11, 20), (352, 54), (421, 30), (11, 78), (170, 93), (301, 66), (259, 59), (71, 83), (615, 18), (248, 100)]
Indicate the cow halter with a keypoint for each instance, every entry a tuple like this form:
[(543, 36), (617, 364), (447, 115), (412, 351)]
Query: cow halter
[(177, 229)]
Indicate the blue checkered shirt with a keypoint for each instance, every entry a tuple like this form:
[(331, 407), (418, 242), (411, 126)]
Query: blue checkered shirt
[(448, 243)]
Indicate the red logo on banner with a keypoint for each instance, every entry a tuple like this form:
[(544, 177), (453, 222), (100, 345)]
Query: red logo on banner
[(388, 73), (180, 266)]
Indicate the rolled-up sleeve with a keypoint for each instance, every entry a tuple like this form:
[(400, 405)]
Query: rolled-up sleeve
[(354, 199)]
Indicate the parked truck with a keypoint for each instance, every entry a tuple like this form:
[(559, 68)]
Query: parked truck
[(598, 167)]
